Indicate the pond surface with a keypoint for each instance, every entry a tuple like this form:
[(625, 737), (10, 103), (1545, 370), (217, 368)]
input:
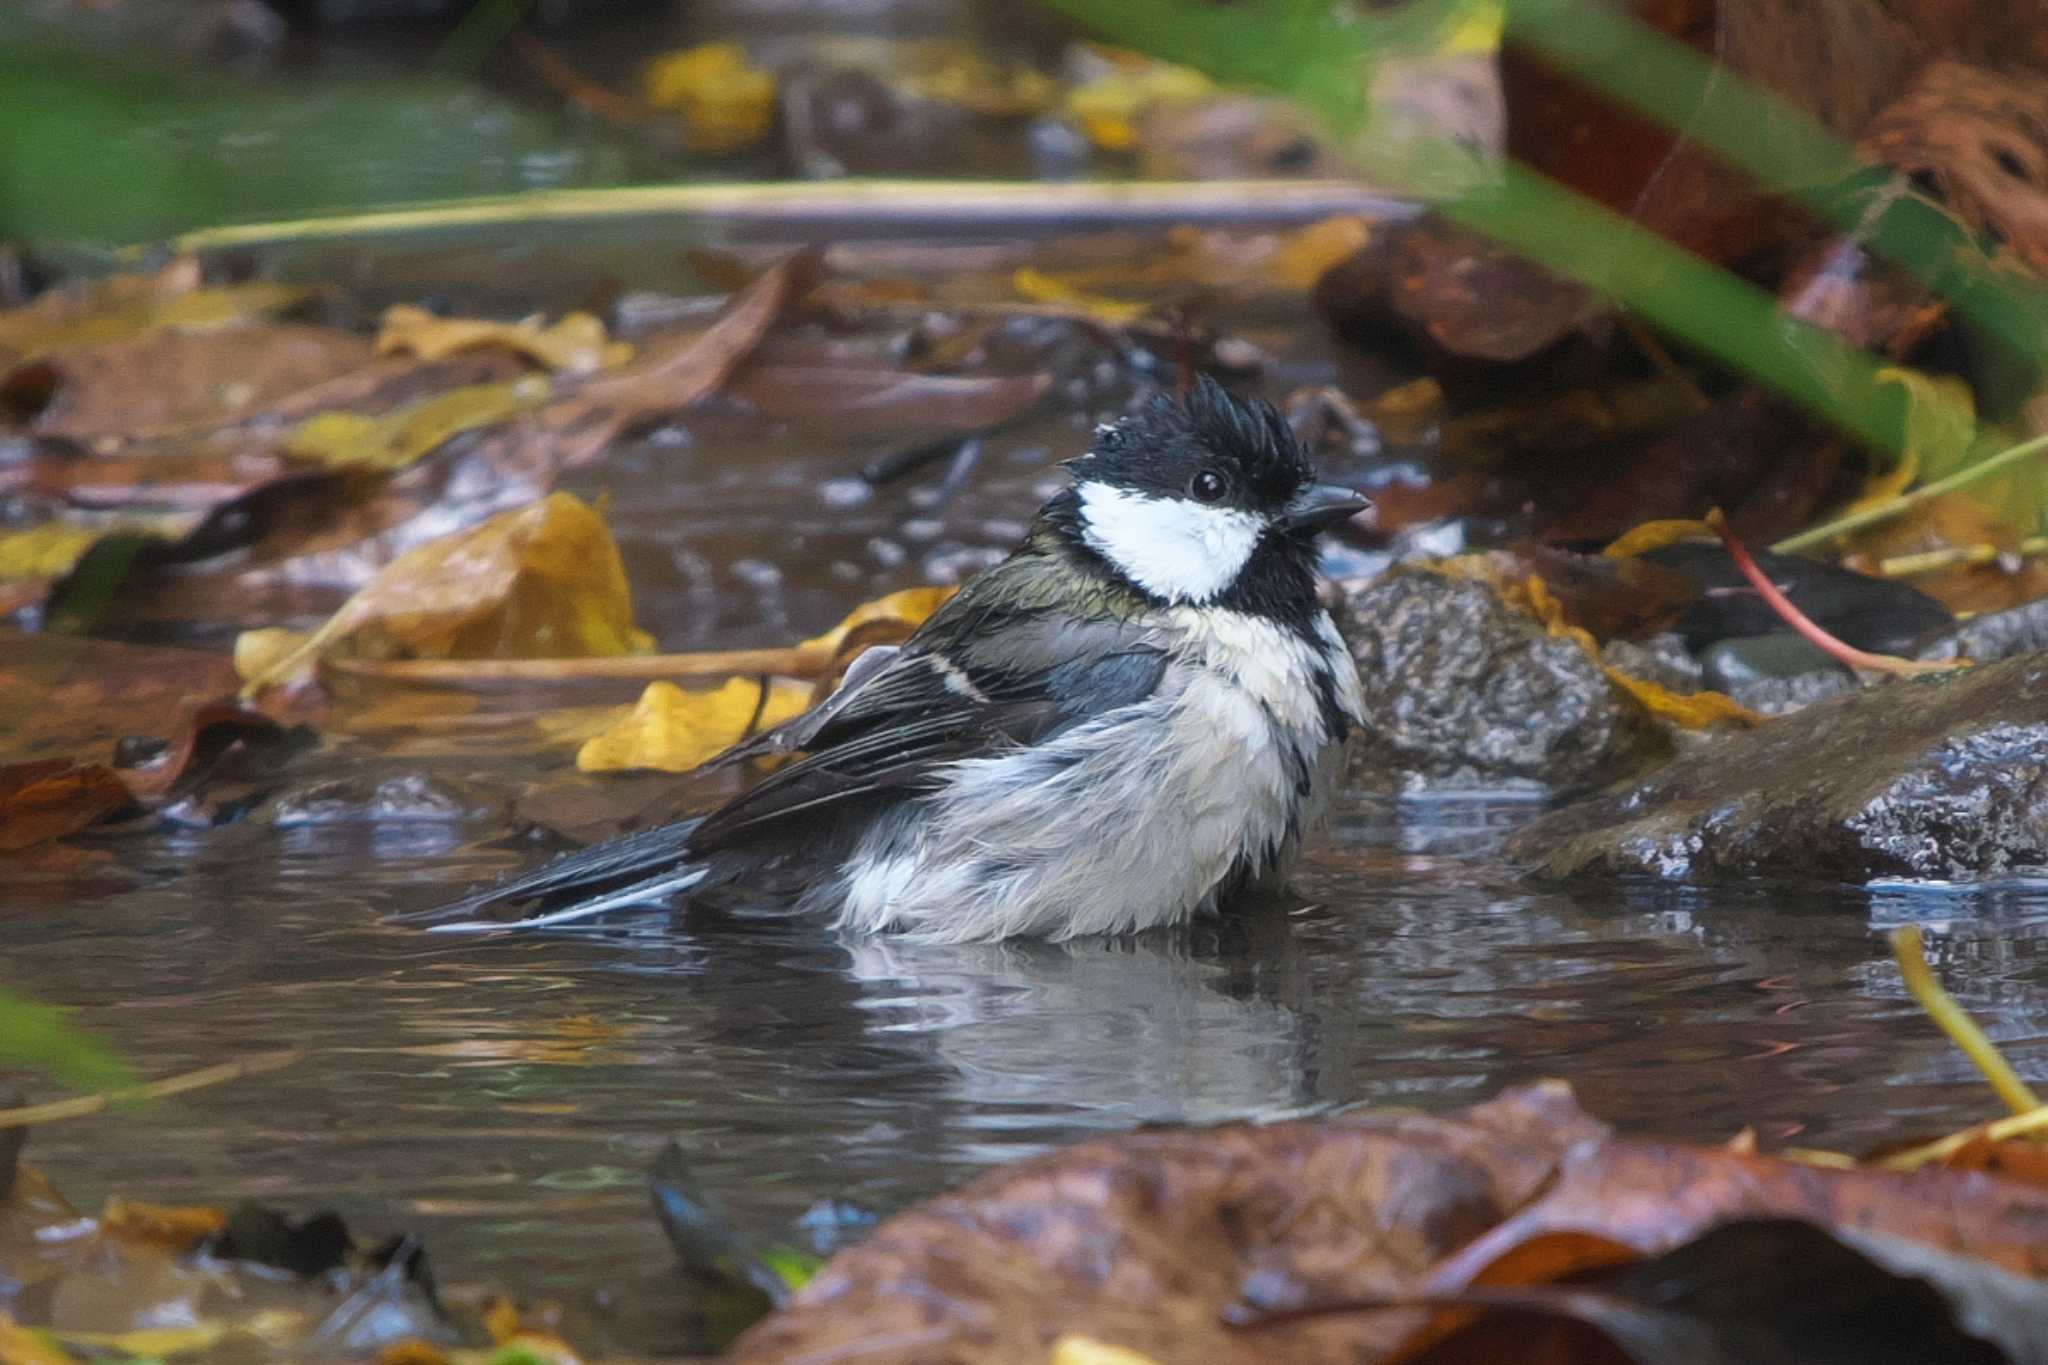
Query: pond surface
[(505, 1097)]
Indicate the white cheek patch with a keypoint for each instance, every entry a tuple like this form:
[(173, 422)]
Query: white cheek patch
[(1171, 547)]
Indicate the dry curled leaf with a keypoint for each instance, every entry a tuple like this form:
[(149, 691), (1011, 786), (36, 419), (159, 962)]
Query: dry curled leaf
[(576, 344), (543, 581)]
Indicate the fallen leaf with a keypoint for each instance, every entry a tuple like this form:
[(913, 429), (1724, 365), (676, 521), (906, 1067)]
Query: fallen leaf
[(726, 103), (46, 551), (1755, 1291), (175, 1227), (1655, 535), (910, 606), (1035, 286), (675, 731), (170, 380), (20, 1346), (1108, 108), (1142, 1240), (119, 306), (542, 581), (1306, 254), (349, 440), (576, 344), (50, 798)]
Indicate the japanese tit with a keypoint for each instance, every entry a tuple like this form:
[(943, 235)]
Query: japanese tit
[(1134, 717)]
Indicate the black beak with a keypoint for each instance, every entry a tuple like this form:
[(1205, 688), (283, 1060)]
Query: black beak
[(1320, 505)]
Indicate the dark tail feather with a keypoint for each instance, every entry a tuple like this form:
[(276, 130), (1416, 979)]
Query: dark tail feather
[(638, 869)]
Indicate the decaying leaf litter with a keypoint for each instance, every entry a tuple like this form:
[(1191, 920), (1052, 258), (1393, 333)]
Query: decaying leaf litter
[(390, 498)]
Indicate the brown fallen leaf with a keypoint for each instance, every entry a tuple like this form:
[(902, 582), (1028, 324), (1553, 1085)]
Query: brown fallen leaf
[(95, 312), (1141, 1240), (50, 798), (544, 580), (170, 379)]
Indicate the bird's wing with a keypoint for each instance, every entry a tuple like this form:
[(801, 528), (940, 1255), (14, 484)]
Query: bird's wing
[(1012, 682)]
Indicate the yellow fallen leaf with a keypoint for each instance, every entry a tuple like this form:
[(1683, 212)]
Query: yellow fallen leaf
[(160, 1342), (1477, 32), (576, 344), (1941, 420), (674, 731), (1108, 108), (542, 581), (1035, 286), (349, 440), (1655, 535), (45, 551), (727, 104), (22, 1346), (179, 1227), (909, 605), (1307, 253), (1077, 1350), (120, 306)]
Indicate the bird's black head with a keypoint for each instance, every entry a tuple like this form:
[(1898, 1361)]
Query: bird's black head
[(1207, 500)]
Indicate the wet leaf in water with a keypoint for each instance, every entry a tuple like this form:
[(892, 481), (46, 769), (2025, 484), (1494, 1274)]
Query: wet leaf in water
[(1127, 86), (169, 379), (675, 731), (544, 581), (1759, 1292), (349, 440), (46, 551), (1157, 1239), (43, 1037), (119, 306), (50, 798), (576, 343)]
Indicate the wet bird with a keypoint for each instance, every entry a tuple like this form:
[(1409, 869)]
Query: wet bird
[(1129, 721)]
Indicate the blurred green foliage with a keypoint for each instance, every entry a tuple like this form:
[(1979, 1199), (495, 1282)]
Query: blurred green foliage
[(1322, 56), (95, 147), (43, 1038)]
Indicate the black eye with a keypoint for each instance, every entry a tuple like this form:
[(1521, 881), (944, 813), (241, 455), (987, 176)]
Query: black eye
[(1206, 486)]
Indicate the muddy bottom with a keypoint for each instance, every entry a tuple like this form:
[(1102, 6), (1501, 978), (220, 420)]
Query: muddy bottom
[(505, 1097)]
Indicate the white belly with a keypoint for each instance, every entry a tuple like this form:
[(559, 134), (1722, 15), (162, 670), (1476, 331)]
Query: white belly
[(1128, 822)]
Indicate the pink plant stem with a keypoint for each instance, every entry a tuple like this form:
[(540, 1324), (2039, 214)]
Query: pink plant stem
[(1800, 621)]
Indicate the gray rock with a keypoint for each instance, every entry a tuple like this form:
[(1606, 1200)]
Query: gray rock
[(1994, 635), (1775, 673), (1464, 691), (1661, 659), (1941, 778)]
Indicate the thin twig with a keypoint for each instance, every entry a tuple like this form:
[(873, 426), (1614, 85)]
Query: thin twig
[(1814, 634), (993, 205), (81, 1105)]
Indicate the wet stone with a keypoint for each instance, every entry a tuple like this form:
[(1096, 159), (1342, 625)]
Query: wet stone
[(1994, 635), (1938, 778), (1463, 691), (1775, 673), (1661, 659)]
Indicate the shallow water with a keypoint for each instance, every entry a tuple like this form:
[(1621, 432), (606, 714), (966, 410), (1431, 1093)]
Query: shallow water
[(504, 1098)]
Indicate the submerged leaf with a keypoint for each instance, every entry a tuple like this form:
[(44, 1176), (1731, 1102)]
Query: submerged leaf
[(576, 344), (543, 581), (675, 731), (350, 440)]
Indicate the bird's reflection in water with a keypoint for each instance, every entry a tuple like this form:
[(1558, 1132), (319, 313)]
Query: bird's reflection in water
[(1190, 1025)]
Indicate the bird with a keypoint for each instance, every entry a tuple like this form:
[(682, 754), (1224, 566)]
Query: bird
[(1132, 720)]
